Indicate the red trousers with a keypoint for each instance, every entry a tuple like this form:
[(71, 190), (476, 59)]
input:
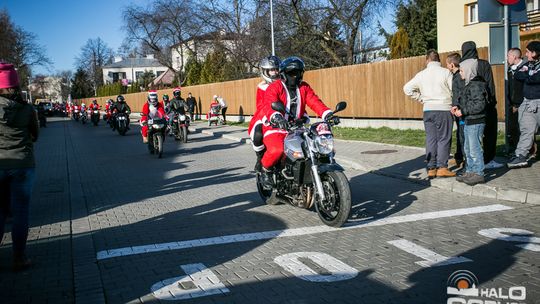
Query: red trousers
[(144, 130), (274, 148)]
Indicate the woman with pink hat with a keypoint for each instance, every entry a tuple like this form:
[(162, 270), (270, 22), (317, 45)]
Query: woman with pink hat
[(18, 130)]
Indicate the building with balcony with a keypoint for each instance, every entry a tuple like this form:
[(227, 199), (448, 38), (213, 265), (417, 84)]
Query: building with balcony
[(130, 70)]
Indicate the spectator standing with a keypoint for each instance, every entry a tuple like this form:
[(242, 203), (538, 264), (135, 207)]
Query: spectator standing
[(192, 104), (529, 110), (452, 64), (468, 51), (223, 105), (433, 88), (514, 97), (18, 130), (472, 109)]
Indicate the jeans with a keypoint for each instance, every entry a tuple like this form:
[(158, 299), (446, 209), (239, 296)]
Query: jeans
[(15, 191), (473, 148)]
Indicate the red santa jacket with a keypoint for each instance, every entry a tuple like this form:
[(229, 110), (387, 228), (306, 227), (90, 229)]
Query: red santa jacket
[(306, 96), (152, 112), (93, 106), (259, 102)]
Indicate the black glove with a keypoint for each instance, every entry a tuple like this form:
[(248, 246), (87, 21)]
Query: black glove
[(279, 121), (333, 119)]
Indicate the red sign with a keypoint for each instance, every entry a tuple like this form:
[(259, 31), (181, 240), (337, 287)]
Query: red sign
[(508, 2)]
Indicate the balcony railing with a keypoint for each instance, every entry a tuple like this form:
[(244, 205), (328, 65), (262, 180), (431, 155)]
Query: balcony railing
[(533, 23)]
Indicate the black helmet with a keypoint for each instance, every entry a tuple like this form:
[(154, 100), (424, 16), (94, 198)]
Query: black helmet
[(177, 92), (292, 70), (165, 97), (120, 98), (266, 65)]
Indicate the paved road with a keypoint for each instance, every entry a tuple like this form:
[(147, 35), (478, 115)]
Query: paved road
[(110, 223)]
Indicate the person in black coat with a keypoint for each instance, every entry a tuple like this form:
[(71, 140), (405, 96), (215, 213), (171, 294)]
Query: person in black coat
[(468, 51)]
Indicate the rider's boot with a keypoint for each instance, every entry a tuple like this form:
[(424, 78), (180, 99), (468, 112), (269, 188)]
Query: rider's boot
[(258, 165), (267, 178)]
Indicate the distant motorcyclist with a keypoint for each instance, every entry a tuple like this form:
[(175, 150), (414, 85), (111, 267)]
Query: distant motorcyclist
[(295, 94), (151, 109), (94, 105), (120, 107), (178, 105), (166, 103), (269, 71)]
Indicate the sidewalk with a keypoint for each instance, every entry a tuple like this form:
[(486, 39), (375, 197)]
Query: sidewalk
[(519, 185)]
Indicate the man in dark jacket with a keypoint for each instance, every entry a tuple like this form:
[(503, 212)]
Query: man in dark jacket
[(191, 103), (514, 96), (18, 130), (468, 51), (452, 64)]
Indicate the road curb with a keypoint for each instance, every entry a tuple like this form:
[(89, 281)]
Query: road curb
[(480, 190)]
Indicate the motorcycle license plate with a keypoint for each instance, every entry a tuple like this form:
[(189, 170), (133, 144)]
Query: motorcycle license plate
[(95, 112), (150, 121)]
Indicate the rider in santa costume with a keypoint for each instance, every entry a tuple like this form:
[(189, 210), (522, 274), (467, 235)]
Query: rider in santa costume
[(295, 94), (152, 109)]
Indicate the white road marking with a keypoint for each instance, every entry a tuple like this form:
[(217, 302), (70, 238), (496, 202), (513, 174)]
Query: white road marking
[(339, 271), (514, 235), (431, 259), (245, 237), (200, 280)]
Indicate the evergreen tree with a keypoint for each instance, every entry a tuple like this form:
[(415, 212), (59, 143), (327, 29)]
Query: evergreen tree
[(193, 71), (81, 85), (416, 21)]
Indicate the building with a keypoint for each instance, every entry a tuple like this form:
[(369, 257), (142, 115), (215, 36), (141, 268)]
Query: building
[(375, 54), (200, 46), (130, 70), (457, 21)]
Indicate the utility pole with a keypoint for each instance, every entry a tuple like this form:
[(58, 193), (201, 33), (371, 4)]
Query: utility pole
[(272, 28)]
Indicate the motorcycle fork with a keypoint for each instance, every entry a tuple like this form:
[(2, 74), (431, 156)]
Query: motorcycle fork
[(314, 169)]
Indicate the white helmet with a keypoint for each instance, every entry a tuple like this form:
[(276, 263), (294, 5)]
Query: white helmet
[(83, 104), (266, 65), (153, 98)]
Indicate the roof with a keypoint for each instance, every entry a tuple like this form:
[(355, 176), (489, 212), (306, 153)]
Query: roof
[(135, 63), (164, 78)]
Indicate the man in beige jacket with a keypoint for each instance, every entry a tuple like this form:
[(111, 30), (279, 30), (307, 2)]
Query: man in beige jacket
[(433, 88)]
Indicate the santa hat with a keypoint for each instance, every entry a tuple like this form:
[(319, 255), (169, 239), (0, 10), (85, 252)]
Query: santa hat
[(152, 94), (177, 89), (8, 76)]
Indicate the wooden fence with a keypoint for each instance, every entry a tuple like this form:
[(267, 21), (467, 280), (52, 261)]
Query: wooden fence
[(373, 90)]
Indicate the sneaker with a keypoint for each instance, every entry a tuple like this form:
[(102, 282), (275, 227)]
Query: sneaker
[(444, 172), (473, 179), (431, 173), (460, 177), (493, 165), (519, 161)]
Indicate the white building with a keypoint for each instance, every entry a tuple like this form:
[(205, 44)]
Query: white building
[(131, 69), (201, 46)]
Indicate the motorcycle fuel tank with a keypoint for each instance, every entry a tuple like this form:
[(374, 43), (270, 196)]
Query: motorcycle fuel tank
[(293, 146)]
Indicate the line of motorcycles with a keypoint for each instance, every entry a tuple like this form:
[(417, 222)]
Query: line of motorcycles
[(82, 116)]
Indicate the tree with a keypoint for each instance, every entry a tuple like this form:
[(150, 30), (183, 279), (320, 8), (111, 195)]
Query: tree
[(65, 83), (417, 21), (81, 86), (95, 54), (193, 71), (20, 47)]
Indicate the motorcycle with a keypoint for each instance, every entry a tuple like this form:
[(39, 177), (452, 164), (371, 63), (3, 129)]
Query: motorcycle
[(156, 135), (76, 114), (84, 117), (308, 174), (180, 125), (94, 116), (122, 123)]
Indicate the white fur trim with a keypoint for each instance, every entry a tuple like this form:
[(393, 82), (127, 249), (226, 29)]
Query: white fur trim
[(270, 132), (258, 148), (325, 113)]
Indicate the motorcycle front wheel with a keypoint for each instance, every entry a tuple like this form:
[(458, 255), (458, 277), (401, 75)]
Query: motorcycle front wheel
[(184, 134), (337, 207), (158, 145)]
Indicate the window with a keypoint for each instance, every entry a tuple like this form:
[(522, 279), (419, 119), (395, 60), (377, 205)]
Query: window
[(138, 75), (471, 12), (532, 5), (159, 73)]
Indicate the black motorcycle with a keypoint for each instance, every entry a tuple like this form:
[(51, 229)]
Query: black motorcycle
[(156, 135), (84, 117), (94, 116), (308, 174), (180, 125), (122, 123)]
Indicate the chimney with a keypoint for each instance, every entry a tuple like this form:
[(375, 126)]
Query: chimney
[(117, 58)]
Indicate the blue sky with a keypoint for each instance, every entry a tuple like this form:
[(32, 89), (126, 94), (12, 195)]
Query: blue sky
[(64, 26)]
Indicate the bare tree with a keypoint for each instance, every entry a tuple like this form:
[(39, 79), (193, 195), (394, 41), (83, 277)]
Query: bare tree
[(94, 55)]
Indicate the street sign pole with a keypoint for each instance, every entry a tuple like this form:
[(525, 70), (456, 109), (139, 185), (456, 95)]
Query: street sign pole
[(506, 47)]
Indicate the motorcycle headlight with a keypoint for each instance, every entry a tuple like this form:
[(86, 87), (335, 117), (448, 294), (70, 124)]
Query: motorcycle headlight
[(182, 117), (157, 126), (324, 144)]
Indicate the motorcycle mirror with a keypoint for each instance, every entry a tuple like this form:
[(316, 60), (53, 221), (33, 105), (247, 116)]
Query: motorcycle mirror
[(278, 106), (340, 106)]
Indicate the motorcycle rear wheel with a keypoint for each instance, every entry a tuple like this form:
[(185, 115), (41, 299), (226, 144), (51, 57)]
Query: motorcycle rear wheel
[(268, 196), (335, 211)]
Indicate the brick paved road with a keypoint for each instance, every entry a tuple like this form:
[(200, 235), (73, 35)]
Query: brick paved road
[(197, 212)]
